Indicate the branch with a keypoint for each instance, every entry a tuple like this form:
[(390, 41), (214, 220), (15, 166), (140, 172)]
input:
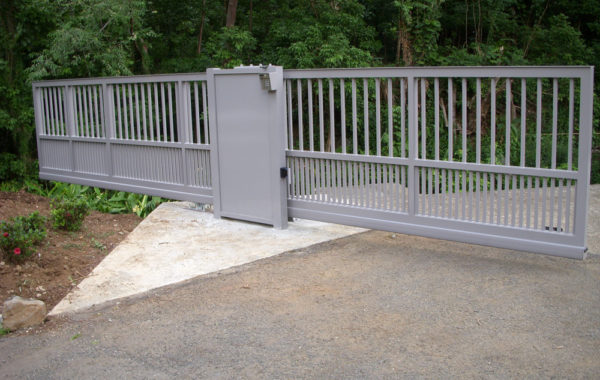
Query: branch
[(104, 26), (537, 24)]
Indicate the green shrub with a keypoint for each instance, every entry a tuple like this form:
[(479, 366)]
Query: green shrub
[(20, 234), (68, 214)]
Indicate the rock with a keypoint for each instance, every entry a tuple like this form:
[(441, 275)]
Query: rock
[(23, 312)]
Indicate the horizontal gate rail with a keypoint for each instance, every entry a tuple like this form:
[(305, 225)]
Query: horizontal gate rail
[(444, 72), (145, 134), (442, 152), (540, 172)]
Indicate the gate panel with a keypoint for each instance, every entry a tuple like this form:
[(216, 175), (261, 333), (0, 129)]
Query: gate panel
[(89, 157), (146, 134), (442, 152), (55, 154)]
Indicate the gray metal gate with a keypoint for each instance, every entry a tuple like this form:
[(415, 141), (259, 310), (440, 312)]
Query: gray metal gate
[(410, 150)]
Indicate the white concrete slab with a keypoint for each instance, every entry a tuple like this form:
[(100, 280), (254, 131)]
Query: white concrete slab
[(175, 243)]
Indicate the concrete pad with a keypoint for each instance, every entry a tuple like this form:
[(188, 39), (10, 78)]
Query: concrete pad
[(593, 222), (177, 242)]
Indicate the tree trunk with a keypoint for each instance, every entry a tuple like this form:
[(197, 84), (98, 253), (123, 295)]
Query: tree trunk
[(403, 45), (7, 25), (142, 48), (250, 18), (314, 9), (231, 13), (203, 17)]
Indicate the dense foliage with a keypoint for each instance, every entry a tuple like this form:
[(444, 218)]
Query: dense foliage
[(44, 39)]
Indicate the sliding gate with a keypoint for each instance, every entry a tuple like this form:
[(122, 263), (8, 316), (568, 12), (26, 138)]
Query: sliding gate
[(496, 156)]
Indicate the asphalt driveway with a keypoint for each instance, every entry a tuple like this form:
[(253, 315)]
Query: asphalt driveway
[(372, 305)]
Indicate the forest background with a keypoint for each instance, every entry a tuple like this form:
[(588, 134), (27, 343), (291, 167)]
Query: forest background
[(49, 39)]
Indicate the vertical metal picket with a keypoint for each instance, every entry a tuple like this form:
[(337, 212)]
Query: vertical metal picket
[(108, 123)]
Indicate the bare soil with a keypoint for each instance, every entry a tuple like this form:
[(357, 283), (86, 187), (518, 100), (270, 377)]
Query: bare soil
[(64, 258)]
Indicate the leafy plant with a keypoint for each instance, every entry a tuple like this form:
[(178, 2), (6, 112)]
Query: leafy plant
[(68, 214), (20, 234), (107, 201), (145, 206)]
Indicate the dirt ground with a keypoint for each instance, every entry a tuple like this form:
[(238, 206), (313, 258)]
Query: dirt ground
[(373, 305), (64, 258)]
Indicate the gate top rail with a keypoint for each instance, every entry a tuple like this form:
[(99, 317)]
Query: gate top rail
[(156, 78), (581, 72)]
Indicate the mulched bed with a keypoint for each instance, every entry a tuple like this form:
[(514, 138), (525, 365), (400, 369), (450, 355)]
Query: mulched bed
[(64, 258)]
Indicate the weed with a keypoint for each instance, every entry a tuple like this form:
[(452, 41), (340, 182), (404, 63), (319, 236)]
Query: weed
[(73, 245), (98, 245), (10, 186), (103, 235)]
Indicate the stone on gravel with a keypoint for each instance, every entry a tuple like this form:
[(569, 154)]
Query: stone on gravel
[(23, 312)]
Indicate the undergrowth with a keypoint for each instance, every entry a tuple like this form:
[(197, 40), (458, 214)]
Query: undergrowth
[(107, 201)]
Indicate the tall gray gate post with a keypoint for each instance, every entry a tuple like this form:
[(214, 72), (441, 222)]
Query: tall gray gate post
[(247, 129)]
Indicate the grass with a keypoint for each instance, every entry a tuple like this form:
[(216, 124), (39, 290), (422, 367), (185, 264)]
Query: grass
[(73, 245)]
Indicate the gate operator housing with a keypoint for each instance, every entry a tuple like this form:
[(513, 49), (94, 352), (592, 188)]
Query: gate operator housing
[(246, 129)]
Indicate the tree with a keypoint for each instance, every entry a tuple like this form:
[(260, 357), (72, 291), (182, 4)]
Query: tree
[(95, 38), (24, 25), (315, 33)]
